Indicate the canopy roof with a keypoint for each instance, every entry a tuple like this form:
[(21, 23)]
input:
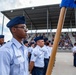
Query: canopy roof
[(43, 17)]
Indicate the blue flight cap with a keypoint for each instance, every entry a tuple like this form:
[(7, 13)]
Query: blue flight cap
[(15, 21), (45, 39), (25, 41), (31, 43), (38, 38), (1, 36)]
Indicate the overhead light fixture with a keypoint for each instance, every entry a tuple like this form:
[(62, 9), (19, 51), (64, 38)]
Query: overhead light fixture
[(32, 7), (11, 11)]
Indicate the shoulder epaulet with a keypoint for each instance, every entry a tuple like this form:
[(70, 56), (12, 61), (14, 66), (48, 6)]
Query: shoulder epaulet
[(8, 44)]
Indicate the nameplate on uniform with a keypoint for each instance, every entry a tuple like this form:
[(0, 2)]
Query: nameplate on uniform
[(18, 56)]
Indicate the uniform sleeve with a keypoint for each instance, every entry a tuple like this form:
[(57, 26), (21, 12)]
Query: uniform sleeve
[(4, 63), (34, 55), (45, 50), (73, 49), (29, 49)]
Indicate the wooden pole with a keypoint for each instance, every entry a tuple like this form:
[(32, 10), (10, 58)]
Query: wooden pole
[(56, 40)]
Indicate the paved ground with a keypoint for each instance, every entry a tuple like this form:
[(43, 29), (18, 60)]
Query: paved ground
[(64, 64)]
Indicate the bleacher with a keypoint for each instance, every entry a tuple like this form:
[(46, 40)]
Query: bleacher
[(67, 39)]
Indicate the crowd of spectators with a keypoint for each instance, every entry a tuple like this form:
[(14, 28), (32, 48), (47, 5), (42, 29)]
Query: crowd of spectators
[(64, 43), (74, 35)]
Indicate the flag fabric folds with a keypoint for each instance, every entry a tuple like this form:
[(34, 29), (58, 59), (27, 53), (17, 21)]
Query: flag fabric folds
[(68, 3)]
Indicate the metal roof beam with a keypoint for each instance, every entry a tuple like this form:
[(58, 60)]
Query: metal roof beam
[(29, 18)]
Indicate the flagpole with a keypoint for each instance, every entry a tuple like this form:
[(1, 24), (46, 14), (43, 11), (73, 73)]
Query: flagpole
[(56, 40)]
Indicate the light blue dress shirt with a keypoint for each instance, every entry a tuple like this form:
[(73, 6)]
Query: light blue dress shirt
[(46, 55), (74, 49), (49, 50), (30, 49), (13, 59), (38, 56)]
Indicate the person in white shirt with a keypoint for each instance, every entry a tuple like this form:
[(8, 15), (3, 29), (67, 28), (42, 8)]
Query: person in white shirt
[(30, 49), (74, 54), (37, 57), (46, 55), (13, 54)]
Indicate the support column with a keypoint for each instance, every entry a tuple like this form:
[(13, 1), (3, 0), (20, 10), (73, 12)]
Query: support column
[(71, 25), (2, 25), (50, 30), (75, 17), (31, 28), (47, 22)]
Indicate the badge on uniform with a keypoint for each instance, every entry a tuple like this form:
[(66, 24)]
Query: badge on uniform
[(18, 56)]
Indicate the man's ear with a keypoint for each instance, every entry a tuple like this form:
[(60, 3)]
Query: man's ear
[(13, 29)]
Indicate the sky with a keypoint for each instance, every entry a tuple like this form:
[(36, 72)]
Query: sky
[(16, 4)]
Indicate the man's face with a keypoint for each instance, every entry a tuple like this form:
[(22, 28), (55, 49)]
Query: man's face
[(33, 45), (20, 31), (40, 43), (26, 44), (1, 40)]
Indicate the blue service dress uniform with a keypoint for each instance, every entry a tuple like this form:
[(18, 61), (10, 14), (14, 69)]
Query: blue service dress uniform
[(30, 50), (49, 50), (38, 58), (46, 58), (13, 59), (74, 53)]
